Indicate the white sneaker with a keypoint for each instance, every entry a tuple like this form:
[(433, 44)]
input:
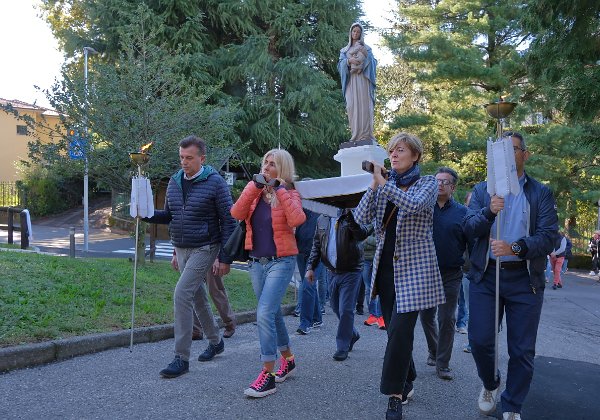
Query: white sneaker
[(592, 273), (487, 400), (509, 415), (462, 330)]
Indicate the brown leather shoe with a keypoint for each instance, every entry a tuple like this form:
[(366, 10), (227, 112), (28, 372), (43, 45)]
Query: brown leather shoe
[(228, 332), (197, 335)]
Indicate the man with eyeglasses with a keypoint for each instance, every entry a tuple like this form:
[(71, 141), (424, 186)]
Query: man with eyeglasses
[(450, 244), (529, 227)]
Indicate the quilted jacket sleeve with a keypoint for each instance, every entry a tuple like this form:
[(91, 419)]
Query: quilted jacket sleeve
[(241, 208), (292, 206)]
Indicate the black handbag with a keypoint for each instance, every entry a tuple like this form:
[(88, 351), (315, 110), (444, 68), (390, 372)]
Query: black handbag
[(234, 247)]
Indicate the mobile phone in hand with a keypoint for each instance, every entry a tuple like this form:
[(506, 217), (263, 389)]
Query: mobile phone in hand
[(369, 167)]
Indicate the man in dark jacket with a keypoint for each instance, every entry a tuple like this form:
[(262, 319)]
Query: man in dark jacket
[(197, 210), (450, 246), (529, 226), (336, 244)]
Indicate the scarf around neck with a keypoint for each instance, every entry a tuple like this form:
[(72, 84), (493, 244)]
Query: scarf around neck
[(406, 178)]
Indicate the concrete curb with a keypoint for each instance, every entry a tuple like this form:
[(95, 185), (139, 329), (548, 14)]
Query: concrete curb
[(28, 355)]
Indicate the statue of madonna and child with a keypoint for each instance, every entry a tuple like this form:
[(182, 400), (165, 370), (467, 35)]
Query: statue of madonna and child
[(357, 68)]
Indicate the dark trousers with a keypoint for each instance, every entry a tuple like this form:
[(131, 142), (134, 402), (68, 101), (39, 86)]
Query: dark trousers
[(522, 308), (440, 337), (398, 366), (218, 294), (343, 288)]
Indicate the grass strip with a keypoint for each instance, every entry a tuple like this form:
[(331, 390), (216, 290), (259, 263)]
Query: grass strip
[(44, 297)]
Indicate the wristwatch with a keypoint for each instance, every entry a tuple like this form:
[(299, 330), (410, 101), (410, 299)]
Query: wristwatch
[(515, 248)]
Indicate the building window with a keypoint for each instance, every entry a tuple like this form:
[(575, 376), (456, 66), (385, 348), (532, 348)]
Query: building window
[(22, 130)]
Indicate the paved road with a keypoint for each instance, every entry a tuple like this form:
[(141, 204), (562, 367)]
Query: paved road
[(118, 384), (101, 242)]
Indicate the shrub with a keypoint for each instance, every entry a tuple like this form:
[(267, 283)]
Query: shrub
[(46, 191)]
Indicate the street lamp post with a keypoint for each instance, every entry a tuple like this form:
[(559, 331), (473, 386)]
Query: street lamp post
[(86, 52)]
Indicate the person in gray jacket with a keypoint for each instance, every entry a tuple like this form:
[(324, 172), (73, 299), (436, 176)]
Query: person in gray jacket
[(196, 208), (529, 227)]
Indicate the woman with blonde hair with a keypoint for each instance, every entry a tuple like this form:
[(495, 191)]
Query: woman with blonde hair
[(405, 275), (272, 208)]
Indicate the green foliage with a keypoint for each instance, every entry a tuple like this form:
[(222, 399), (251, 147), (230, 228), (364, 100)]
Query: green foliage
[(44, 297), (453, 56), (563, 57), (141, 96), (48, 191), (274, 60)]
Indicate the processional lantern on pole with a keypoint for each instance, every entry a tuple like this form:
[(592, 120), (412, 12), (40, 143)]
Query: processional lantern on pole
[(501, 180), (141, 205)]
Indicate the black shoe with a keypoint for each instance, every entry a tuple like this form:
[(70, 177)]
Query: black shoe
[(444, 373), (554, 287), (303, 331), (408, 392), (211, 351), (394, 410), (340, 355), (176, 368), (360, 311), (559, 286), (355, 338), (430, 360)]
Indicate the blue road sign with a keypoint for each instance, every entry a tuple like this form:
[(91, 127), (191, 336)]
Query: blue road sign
[(77, 148)]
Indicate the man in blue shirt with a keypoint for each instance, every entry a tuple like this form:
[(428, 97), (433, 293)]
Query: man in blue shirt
[(529, 226), (450, 244)]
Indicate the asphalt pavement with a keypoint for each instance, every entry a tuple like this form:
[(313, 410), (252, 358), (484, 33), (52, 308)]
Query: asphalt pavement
[(123, 385)]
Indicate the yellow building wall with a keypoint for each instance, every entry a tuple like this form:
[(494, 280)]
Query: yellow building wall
[(13, 146)]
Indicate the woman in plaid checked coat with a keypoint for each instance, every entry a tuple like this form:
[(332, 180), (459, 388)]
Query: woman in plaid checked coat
[(405, 270)]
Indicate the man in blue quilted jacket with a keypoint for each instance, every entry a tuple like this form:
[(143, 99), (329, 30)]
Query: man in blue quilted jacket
[(197, 210)]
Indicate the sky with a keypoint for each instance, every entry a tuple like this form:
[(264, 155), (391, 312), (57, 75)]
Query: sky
[(30, 53)]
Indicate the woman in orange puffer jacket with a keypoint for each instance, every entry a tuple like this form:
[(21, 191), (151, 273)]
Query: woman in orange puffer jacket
[(272, 209)]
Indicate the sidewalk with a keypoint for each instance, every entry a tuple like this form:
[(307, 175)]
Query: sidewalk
[(119, 384)]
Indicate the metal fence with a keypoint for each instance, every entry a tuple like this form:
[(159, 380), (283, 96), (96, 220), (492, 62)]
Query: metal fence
[(9, 195), (120, 205)]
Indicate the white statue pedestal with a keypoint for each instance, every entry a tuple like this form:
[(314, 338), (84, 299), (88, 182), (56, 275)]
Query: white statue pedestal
[(351, 158), (327, 195)]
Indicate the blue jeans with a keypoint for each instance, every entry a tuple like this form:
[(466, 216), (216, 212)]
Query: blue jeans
[(462, 317), (563, 270), (549, 272), (310, 311), (323, 288), (270, 282), (343, 288), (522, 308), (374, 307)]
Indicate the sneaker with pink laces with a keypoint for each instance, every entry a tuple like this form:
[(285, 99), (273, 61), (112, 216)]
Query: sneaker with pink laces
[(263, 385), (286, 369)]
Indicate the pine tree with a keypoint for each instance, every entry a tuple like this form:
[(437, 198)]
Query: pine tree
[(564, 57), (462, 54)]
